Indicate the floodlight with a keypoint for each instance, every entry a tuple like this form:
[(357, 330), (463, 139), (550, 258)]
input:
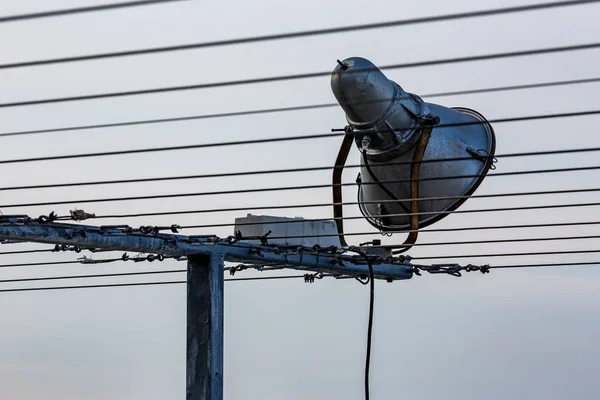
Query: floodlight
[(417, 157)]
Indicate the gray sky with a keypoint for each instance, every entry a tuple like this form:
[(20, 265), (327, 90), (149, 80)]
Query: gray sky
[(510, 334)]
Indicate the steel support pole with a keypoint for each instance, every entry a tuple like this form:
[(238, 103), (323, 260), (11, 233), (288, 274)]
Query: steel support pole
[(205, 327)]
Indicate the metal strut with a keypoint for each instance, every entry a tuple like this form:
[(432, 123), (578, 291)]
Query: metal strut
[(340, 162), (415, 169)]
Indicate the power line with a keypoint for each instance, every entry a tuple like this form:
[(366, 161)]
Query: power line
[(279, 189), (265, 278), (319, 205), (50, 278), (305, 169), (82, 10), (281, 78), (519, 240), (144, 284), (161, 272), (474, 228), (37, 264), (436, 230), (288, 138), (360, 217), (36, 289), (26, 251), (293, 108), (85, 260), (294, 35), (545, 265), (524, 254), (466, 242)]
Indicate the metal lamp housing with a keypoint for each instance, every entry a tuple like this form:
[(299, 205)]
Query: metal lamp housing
[(387, 123)]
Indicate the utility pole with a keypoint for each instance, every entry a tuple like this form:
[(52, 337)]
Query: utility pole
[(206, 256), (205, 327)]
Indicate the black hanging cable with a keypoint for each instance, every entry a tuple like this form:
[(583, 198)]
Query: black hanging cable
[(367, 259), (291, 138), (82, 10), (294, 35), (289, 109), (286, 78)]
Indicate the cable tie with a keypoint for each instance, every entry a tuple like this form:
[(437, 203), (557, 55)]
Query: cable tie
[(66, 247), (310, 278), (153, 257), (240, 267), (44, 219)]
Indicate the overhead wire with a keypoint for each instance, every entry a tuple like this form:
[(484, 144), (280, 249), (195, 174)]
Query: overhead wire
[(515, 266), (299, 137), (82, 10), (107, 285), (290, 77), (297, 187), (302, 169), (537, 51), (292, 108), (300, 34), (360, 217), (319, 205), (307, 137), (427, 230), (518, 254), (118, 274)]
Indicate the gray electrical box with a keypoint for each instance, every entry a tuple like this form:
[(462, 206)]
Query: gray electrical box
[(289, 231)]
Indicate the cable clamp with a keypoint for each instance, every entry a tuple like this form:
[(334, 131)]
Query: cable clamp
[(45, 219), (66, 247), (484, 269), (237, 268), (483, 156), (80, 215), (153, 230), (310, 278), (263, 238)]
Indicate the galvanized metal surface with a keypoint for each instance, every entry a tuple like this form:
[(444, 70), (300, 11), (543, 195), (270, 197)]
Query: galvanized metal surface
[(204, 372), (387, 128), (374, 103), (86, 236)]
